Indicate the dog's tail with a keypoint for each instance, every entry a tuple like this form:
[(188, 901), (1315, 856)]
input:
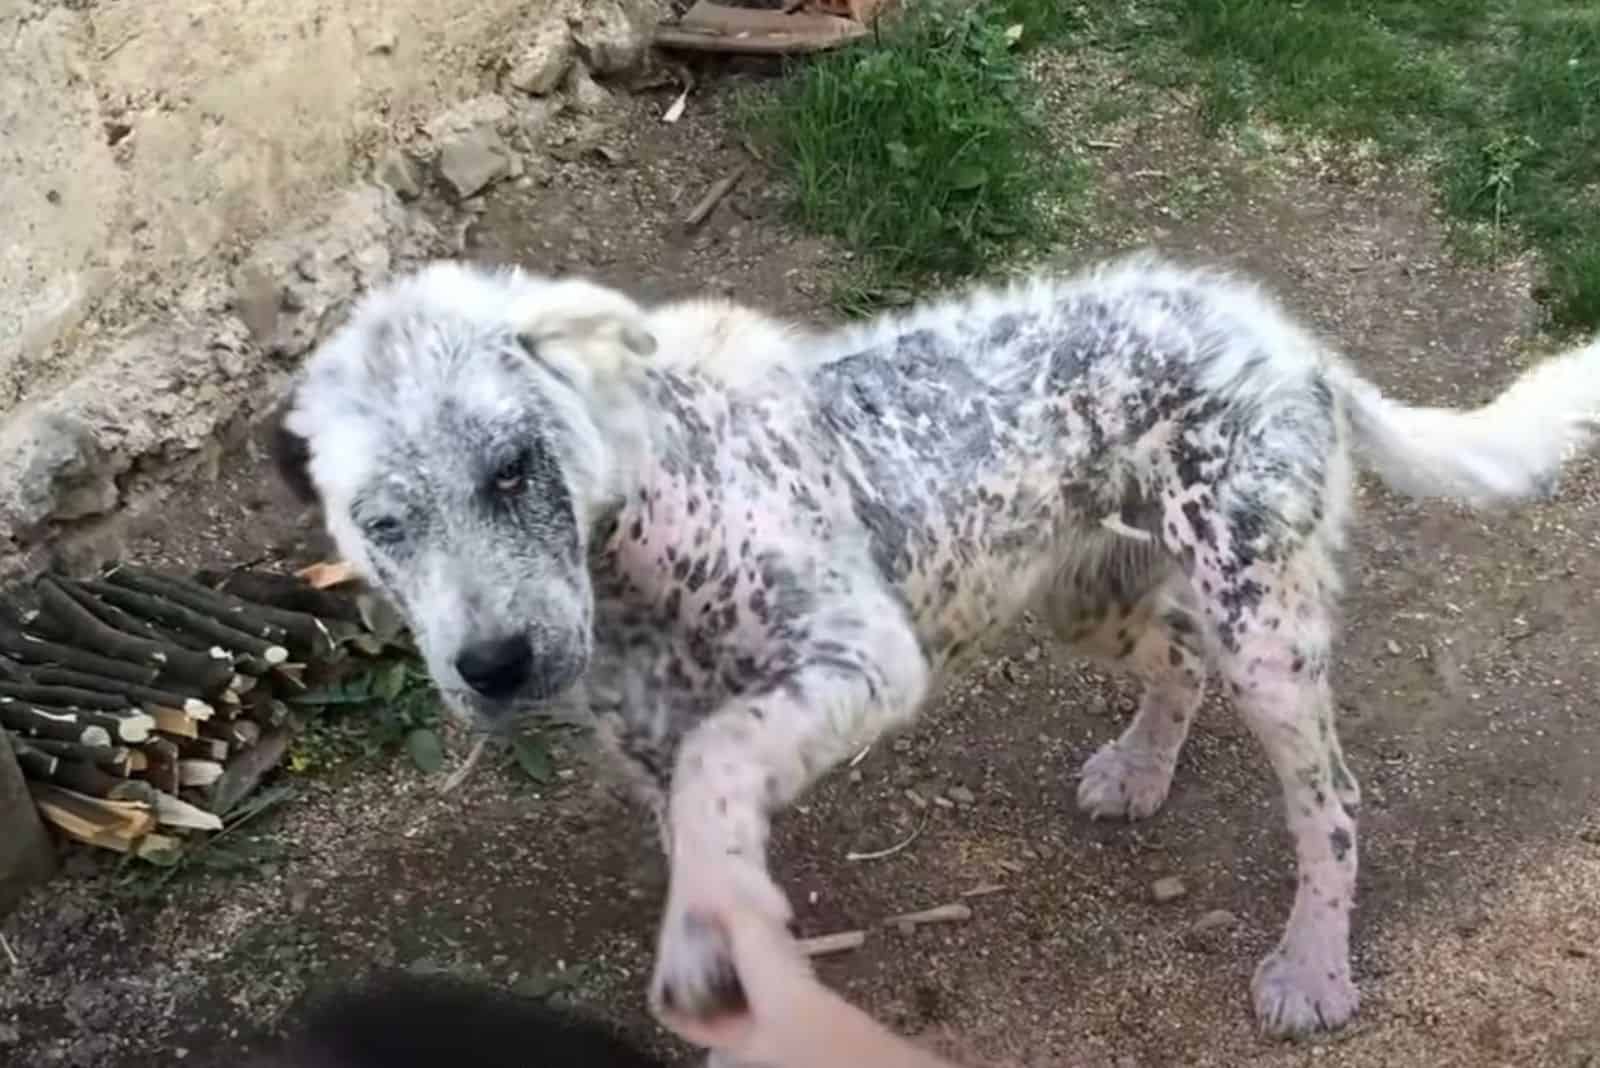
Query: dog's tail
[(1510, 449)]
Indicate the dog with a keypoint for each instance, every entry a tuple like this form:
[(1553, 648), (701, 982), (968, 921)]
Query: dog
[(750, 549)]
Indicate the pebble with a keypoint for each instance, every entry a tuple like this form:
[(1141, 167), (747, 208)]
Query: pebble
[(1168, 889), (962, 796), (1215, 920)]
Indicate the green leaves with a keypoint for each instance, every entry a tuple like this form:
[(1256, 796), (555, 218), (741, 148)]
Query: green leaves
[(425, 749)]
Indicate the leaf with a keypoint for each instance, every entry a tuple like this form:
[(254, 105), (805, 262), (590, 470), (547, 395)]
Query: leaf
[(968, 178), (427, 752), (390, 681), (533, 757), (899, 154)]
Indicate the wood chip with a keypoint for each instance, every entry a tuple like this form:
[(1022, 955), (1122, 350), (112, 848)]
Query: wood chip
[(327, 574), (956, 912), (984, 890), (822, 945), (719, 189)]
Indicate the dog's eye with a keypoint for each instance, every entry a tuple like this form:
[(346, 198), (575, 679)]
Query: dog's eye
[(385, 530), (511, 476)]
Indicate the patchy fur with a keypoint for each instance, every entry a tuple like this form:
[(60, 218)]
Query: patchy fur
[(752, 551)]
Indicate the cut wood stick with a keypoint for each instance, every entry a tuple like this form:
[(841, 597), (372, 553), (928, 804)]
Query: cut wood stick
[(127, 623), (304, 634), (175, 722), (86, 629), (952, 913), (35, 650), (233, 734), (213, 749), (62, 696), (108, 824), (198, 772), (283, 591), (116, 759), (162, 772), (125, 725), (178, 618), (246, 770), (83, 778), (133, 691), (822, 945), (719, 189), (138, 762), (62, 725), (266, 709), (173, 811)]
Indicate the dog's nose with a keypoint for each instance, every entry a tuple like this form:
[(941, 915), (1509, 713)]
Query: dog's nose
[(498, 667)]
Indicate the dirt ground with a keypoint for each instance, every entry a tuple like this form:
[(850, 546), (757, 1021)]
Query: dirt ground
[(1465, 687)]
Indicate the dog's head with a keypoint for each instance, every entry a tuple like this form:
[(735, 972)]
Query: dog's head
[(463, 433)]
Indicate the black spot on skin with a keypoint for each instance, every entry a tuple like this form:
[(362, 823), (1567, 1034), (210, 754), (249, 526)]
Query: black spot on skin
[(1340, 842), (1200, 524), (1174, 655)]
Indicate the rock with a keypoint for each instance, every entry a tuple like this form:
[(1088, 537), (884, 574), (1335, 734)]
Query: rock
[(613, 35), (1215, 920), (541, 63), (397, 171), (474, 161), (1167, 889), (961, 795), (585, 95), (56, 472), (491, 109), (9, 1036)]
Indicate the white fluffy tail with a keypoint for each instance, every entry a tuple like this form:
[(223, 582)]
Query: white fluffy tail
[(1510, 449)]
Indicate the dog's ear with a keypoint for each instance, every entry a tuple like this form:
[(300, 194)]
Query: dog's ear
[(582, 332), (291, 455)]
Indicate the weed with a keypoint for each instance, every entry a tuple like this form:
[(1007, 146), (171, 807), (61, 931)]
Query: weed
[(368, 714), (921, 148)]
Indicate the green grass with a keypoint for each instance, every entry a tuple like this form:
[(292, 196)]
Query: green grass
[(920, 149), (1501, 96)]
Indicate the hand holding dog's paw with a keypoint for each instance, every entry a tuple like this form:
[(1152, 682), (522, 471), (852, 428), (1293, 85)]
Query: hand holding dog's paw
[(695, 977)]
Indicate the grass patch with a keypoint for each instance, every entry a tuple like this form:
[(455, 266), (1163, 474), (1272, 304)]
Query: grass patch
[(920, 149), (1502, 95)]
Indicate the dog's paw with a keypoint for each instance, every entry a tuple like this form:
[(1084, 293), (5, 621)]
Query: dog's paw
[(695, 976), (1123, 783), (1299, 997)]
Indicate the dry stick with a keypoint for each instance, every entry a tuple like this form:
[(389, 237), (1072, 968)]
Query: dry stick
[(138, 626), (841, 942), (283, 591), (135, 691), (304, 634), (63, 725), (197, 669), (230, 610), (103, 755), (719, 189), (954, 913), (62, 696), (16, 965), (177, 616), (82, 778), (892, 850), (33, 650)]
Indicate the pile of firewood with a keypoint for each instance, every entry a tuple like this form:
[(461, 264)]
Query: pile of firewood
[(143, 705)]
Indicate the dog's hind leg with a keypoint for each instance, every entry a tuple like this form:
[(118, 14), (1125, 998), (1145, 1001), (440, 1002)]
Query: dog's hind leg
[(1158, 640)]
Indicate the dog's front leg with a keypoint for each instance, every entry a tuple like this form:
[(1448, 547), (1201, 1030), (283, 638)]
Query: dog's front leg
[(750, 758)]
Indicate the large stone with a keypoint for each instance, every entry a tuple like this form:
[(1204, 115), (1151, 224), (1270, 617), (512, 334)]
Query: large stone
[(613, 35), (469, 164), (27, 856), (542, 62)]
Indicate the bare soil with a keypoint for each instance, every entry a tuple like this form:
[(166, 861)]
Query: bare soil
[(1466, 682)]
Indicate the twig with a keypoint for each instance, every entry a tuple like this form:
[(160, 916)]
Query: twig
[(674, 110), (892, 850), (859, 757), (459, 776), (983, 891), (953, 913), (16, 965), (719, 189), (841, 942)]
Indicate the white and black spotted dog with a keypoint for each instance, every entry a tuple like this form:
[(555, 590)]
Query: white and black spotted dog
[(753, 550)]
